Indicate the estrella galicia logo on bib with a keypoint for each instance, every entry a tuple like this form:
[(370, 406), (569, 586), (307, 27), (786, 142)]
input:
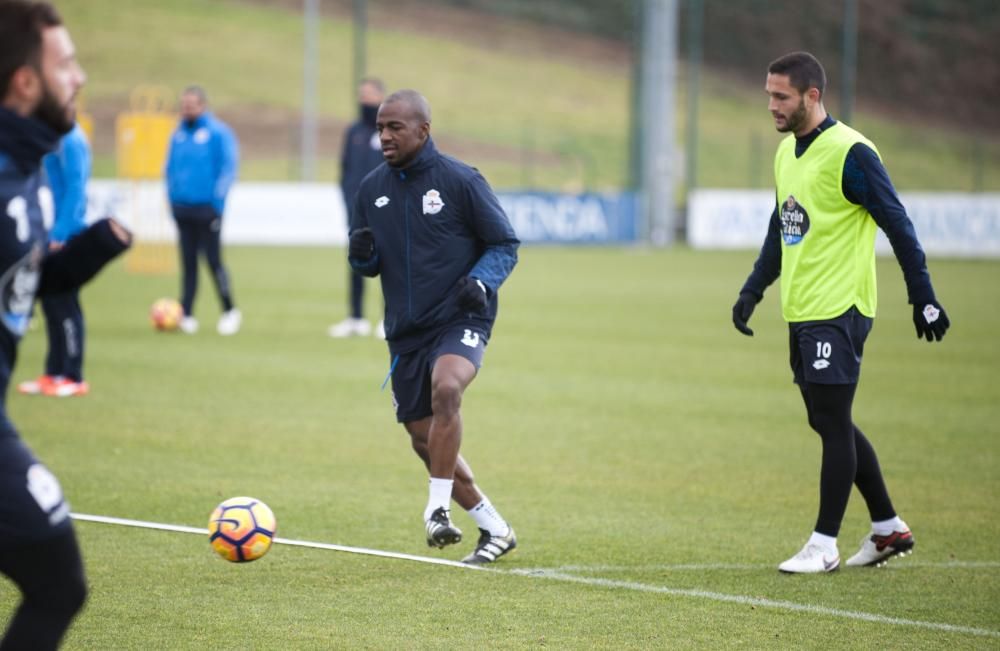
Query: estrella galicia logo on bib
[(794, 221)]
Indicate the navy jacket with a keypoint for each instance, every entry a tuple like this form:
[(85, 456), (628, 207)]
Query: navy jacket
[(25, 268), (866, 183), (434, 222), (202, 163), (361, 154)]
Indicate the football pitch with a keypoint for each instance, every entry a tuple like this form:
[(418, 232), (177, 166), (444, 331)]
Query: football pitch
[(655, 463)]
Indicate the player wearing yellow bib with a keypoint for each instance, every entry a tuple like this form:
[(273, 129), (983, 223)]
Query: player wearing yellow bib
[(832, 193)]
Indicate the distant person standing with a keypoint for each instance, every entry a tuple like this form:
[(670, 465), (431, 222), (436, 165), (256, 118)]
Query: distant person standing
[(432, 229), (68, 170), (833, 193), (201, 167), (361, 154)]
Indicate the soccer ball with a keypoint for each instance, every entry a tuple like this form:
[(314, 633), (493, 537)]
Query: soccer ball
[(241, 529), (166, 314)]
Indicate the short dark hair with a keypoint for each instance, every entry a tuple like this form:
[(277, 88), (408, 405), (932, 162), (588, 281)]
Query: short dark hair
[(375, 82), (197, 91), (417, 102), (21, 25), (803, 69)]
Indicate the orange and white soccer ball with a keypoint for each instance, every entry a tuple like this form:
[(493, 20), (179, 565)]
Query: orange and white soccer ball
[(166, 314), (241, 529)]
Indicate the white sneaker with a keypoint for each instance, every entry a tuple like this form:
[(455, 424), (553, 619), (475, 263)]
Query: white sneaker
[(189, 325), (876, 550), (813, 559), (229, 322), (350, 327), (380, 330)]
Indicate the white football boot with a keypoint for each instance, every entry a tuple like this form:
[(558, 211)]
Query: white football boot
[(350, 327), (189, 325), (813, 559), (876, 550), (229, 322)]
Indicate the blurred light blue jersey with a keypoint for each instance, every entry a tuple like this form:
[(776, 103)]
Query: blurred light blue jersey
[(202, 163), (68, 170)]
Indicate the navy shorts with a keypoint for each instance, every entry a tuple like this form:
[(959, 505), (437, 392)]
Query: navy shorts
[(829, 352), (32, 507), (411, 377)]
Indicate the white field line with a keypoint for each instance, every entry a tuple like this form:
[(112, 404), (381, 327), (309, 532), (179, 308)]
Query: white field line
[(562, 575), (895, 564)]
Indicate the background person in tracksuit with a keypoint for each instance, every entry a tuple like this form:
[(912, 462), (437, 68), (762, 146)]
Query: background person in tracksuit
[(68, 170), (361, 154), (432, 228), (832, 194), (201, 168), (39, 81)]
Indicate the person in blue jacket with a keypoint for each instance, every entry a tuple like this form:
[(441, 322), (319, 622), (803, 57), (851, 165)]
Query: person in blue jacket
[(431, 227), (68, 170), (361, 154), (201, 167), (39, 81)]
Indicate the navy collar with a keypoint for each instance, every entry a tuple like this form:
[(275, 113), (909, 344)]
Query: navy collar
[(802, 143), (26, 140), (423, 160)]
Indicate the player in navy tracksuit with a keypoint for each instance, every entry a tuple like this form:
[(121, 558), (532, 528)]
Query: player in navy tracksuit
[(39, 80), (67, 169), (432, 228), (361, 154), (201, 168)]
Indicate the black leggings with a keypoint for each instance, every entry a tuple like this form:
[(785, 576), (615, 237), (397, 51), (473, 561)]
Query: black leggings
[(848, 457), (202, 235), (53, 588)]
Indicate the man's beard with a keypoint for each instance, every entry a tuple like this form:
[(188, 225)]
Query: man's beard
[(795, 121), (53, 114)]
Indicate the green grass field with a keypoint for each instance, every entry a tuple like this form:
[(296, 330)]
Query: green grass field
[(655, 463)]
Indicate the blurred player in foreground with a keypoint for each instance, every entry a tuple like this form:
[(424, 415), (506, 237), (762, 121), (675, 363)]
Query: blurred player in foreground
[(201, 168), (832, 194), (39, 81), (68, 170), (361, 154), (432, 228)]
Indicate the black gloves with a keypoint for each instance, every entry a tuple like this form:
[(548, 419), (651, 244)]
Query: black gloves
[(362, 244), (930, 319), (472, 295), (744, 307)]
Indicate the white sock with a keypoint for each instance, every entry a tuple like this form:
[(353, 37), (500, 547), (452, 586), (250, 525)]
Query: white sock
[(829, 543), (487, 518), (440, 496), (886, 527)]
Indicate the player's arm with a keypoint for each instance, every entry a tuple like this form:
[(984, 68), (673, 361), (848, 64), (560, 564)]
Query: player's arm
[(765, 271), (362, 253), (83, 256), (73, 163), (229, 160), (494, 230), (866, 182)]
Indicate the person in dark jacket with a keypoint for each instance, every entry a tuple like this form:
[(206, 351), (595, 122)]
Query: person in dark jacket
[(68, 170), (361, 154), (432, 229), (201, 168), (39, 81)]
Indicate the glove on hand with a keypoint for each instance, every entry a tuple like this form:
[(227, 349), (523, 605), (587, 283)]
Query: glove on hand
[(744, 307), (472, 294), (930, 320), (362, 244)]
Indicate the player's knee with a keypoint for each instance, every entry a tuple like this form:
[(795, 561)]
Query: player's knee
[(70, 596), (446, 396)]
